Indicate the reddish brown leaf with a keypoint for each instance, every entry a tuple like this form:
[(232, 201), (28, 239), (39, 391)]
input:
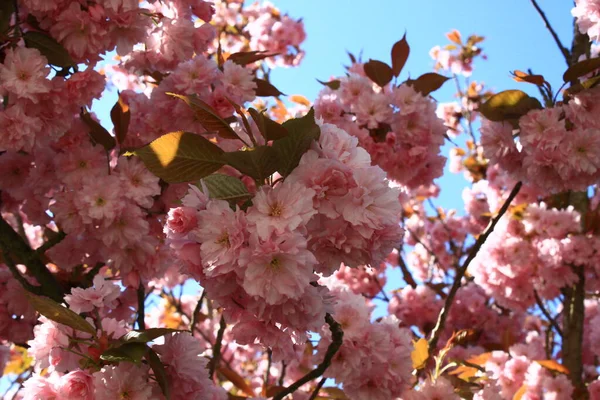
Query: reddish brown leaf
[(581, 68), (379, 72), (400, 52), (97, 132), (265, 88), (248, 57), (454, 36), (334, 84), (237, 380), (120, 117), (521, 76), (427, 83)]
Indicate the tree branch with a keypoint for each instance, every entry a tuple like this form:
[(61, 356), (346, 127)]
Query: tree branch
[(562, 48), (408, 278), (337, 338), (551, 320), (460, 272), (315, 393), (214, 362), (13, 245)]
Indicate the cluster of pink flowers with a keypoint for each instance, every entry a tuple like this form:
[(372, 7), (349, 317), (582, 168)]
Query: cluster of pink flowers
[(587, 14), (374, 359), (558, 148), (397, 125), (260, 263)]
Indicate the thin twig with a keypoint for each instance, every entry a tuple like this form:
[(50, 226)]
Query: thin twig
[(551, 320), (141, 315), (337, 338), (214, 362), (315, 393), (282, 376), (562, 48), (460, 272), (408, 278), (197, 312), (269, 363)]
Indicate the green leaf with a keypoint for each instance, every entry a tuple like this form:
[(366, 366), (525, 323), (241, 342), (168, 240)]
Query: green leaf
[(508, 105), (207, 117), (400, 52), (146, 336), (6, 10), (181, 157), (302, 132), (334, 84), (159, 372), (248, 57), (270, 129), (379, 72), (50, 48), (427, 83), (258, 162), (97, 132), (131, 352), (587, 84), (265, 88), (225, 187), (581, 68), (305, 125), (120, 117), (57, 313)]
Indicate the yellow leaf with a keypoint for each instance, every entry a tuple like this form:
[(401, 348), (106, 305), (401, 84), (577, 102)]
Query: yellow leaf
[(553, 365), (19, 362), (299, 99), (480, 359), (520, 393), (420, 354)]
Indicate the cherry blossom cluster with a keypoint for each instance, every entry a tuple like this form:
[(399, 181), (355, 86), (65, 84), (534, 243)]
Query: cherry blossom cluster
[(397, 125), (260, 263), (557, 148)]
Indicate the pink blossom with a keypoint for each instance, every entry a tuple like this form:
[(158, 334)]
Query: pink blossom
[(102, 294), (238, 82), (76, 385), (39, 387), (283, 208), (127, 380), (24, 73), (277, 267), (587, 14)]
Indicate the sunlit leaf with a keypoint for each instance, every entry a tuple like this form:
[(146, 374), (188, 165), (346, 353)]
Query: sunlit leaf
[(19, 361), (57, 313), (520, 393), (181, 157), (335, 393), (420, 353), (299, 99), (454, 36), (521, 76), (302, 132), (400, 52), (553, 365), (581, 68), (508, 105)]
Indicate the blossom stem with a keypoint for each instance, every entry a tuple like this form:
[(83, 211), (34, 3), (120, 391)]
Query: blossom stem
[(337, 338), (460, 272), (562, 48), (315, 393), (551, 320), (141, 314)]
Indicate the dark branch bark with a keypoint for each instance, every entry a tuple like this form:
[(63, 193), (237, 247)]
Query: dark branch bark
[(573, 320), (460, 272), (13, 246), (408, 278), (551, 320), (214, 362), (337, 338), (562, 48), (315, 393)]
